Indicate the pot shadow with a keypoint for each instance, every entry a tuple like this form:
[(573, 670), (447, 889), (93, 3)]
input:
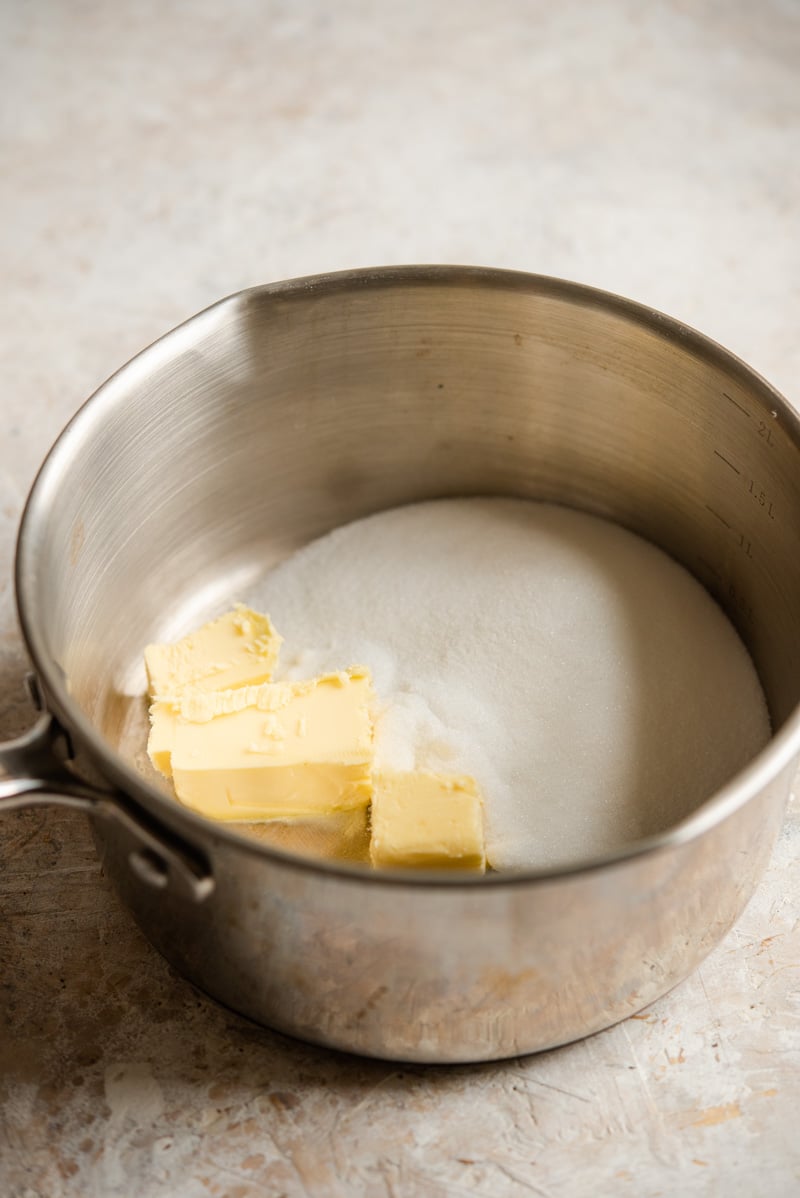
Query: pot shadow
[(82, 992)]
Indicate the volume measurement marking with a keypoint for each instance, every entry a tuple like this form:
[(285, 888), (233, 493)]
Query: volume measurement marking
[(760, 496), (754, 489), (726, 591), (765, 433), (764, 429), (730, 399), (710, 568), (739, 603), (722, 457), (744, 544), (721, 519)]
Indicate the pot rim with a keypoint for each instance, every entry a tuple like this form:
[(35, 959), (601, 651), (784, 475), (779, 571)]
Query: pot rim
[(781, 749)]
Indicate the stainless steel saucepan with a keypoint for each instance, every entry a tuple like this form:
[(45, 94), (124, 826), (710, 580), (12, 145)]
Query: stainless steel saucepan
[(286, 410)]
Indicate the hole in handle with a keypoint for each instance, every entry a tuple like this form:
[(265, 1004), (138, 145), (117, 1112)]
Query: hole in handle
[(150, 867)]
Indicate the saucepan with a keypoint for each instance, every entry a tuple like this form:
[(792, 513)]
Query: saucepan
[(288, 409)]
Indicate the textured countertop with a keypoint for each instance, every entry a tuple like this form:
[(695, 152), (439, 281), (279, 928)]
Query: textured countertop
[(156, 157)]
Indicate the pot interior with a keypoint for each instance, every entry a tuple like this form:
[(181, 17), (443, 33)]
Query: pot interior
[(283, 412)]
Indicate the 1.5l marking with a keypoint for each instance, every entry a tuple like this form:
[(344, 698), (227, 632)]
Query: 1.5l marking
[(761, 498), (727, 462)]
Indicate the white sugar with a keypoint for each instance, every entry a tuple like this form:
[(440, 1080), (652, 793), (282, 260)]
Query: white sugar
[(589, 683)]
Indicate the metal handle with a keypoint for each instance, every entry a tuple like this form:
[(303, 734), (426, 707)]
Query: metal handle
[(34, 771)]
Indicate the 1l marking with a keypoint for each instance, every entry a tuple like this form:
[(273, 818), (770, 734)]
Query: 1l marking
[(744, 545), (721, 519)]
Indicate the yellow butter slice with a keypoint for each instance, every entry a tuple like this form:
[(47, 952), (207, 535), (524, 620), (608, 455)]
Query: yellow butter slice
[(422, 820), (163, 718), (274, 750), (239, 649)]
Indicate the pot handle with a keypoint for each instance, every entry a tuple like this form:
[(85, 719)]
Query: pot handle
[(34, 772)]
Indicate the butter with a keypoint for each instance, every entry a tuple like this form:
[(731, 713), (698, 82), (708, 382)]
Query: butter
[(240, 747), (239, 649), (163, 720), (422, 820), (274, 750)]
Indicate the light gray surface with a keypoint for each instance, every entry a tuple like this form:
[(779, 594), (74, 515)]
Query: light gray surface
[(154, 161)]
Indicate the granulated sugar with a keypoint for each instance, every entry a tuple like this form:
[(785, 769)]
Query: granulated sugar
[(589, 683)]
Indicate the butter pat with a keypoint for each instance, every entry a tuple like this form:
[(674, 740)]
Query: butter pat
[(423, 820), (274, 750), (239, 649), (163, 721)]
